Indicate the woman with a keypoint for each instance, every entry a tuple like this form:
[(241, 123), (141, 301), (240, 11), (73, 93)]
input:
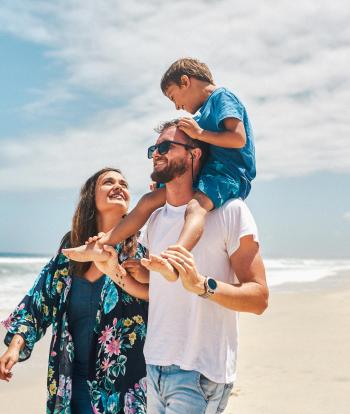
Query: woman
[(96, 362)]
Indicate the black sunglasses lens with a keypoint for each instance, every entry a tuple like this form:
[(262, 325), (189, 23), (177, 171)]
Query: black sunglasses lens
[(151, 150), (163, 147)]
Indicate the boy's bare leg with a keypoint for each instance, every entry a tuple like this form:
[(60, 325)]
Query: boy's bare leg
[(196, 211), (130, 225)]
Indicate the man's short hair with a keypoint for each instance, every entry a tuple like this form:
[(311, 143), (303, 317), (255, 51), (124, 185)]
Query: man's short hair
[(193, 68), (195, 143)]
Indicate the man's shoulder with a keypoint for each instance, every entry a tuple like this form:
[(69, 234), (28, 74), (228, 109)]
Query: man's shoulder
[(231, 206), (233, 214)]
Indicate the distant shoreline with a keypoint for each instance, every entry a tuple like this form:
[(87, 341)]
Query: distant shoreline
[(266, 258), (24, 255), (282, 273)]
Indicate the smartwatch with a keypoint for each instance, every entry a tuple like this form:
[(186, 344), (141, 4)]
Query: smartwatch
[(210, 286)]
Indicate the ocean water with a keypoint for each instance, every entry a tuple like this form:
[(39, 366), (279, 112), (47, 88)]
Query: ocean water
[(18, 273)]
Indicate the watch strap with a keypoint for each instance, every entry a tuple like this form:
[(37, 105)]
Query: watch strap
[(208, 292)]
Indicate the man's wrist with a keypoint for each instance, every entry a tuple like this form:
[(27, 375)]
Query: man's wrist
[(200, 285), (210, 286)]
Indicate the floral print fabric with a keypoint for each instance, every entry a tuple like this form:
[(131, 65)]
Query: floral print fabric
[(116, 368)]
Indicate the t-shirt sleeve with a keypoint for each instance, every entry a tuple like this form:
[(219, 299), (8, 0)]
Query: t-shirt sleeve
[(143, 237), (238, 222), (227, 106)]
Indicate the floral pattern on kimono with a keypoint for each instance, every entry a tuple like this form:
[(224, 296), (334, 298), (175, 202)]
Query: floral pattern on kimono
[(116, 367)]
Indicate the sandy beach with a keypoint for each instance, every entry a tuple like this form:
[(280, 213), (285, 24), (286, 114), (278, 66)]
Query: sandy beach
[(294, 359)]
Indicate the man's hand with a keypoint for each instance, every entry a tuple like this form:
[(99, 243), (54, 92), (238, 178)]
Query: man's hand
[(184, 263), (190, 127), (136, 270)]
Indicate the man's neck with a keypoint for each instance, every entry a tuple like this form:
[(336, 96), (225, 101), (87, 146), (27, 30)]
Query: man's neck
[(179, 191)]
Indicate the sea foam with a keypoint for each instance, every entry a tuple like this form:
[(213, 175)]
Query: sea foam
[(17, 274)]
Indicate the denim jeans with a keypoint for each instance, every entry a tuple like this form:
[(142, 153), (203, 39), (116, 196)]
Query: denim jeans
[(172, 390)]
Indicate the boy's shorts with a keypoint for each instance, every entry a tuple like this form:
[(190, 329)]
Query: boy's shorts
[(221, 187)]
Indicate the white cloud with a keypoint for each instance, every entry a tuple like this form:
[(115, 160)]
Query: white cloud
[(287, 62), (346, 216)]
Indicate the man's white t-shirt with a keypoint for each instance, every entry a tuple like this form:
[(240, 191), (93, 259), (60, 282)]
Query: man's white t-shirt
[(183, 328)]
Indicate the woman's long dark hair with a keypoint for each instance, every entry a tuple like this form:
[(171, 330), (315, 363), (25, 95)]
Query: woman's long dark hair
[(84, 223)]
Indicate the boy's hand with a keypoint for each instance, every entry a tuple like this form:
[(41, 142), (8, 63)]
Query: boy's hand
[(93, 239), (190, 127)]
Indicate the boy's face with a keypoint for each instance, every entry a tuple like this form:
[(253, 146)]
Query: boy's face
[(182, 97)]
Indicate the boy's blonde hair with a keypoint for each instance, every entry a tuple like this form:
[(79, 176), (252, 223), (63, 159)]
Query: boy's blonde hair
[(193, 68)]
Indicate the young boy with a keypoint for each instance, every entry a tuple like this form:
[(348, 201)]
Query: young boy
[(222, 122)]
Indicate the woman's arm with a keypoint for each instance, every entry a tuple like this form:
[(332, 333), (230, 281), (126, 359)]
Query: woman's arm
[(33, 315), (129, 284), (10, 357)]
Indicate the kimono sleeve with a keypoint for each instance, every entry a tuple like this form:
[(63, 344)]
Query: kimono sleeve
[(34, 313)]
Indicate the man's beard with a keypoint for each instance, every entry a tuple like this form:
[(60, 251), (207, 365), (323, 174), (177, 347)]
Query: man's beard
[(168, 173)]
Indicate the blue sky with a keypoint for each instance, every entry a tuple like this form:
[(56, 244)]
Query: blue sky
[(80, 90)]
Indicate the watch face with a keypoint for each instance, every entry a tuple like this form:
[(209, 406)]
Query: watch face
[(212, 284)]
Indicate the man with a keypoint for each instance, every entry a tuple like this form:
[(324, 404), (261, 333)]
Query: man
[(192, 336), (191, 345)]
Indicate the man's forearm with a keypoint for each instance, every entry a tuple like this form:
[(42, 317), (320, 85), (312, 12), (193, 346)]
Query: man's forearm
[(246, 297), (249, 297)]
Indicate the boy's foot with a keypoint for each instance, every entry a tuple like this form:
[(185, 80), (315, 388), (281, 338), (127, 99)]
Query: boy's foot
[(92, 252), (162, 266)]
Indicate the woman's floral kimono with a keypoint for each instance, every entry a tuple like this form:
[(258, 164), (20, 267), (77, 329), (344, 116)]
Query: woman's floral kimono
[(117, 367)]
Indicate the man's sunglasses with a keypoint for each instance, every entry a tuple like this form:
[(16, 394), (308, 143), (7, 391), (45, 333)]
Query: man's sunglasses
[(164, 147)]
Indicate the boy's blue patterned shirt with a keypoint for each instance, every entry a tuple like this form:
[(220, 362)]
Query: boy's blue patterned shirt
[(222, 104)]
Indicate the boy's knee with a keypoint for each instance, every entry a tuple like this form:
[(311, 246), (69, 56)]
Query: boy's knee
[(194, 207)]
